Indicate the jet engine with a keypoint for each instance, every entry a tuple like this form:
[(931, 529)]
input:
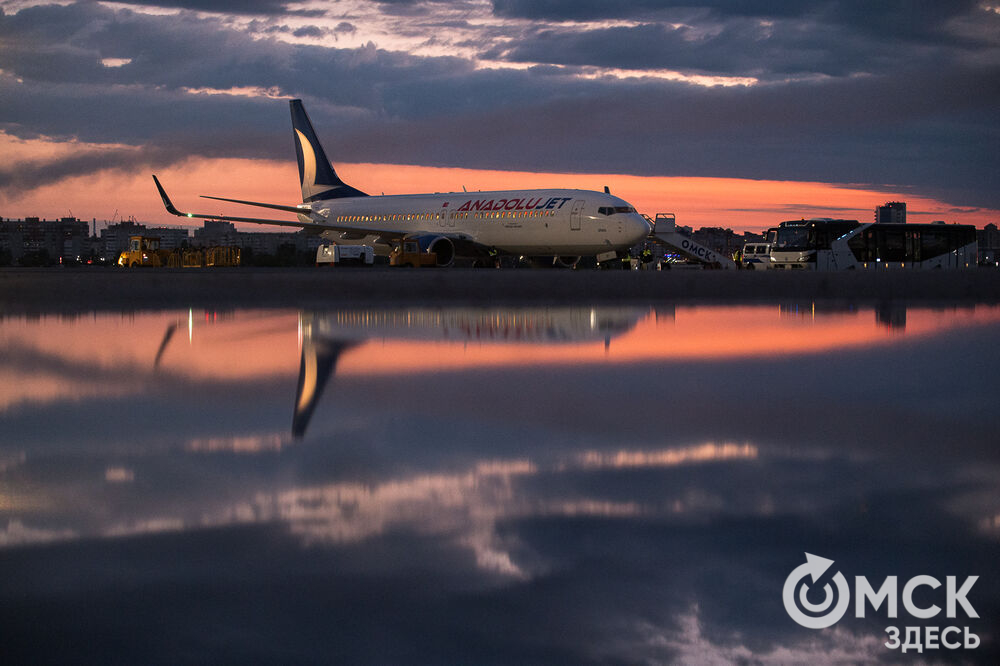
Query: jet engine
[(442, 246)]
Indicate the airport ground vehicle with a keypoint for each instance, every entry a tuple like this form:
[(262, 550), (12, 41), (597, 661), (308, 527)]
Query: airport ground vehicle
[(757, 256), (143, 251), (337, 255), (408, 253), (831, 245), (664, 230), (146, 251)]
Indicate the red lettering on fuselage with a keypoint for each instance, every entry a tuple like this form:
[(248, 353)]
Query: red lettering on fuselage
[(533, 203)]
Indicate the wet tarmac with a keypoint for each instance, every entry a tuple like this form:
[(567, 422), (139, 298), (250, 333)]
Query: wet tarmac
[(82, 289)]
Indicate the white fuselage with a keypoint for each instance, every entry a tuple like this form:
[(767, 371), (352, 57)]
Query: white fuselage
[(528, 222)]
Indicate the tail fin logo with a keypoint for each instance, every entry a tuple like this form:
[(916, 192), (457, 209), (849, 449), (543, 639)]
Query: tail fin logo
[(308, 165)]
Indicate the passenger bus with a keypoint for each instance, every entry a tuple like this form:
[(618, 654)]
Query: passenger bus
[(836, 245)]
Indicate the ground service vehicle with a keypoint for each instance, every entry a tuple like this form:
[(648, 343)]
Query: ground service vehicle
[(337, 255), (757, 256), (831, 245), (408, 253), (143, 251)]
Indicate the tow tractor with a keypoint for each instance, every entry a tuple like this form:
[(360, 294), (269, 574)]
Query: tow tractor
[(408, 253)]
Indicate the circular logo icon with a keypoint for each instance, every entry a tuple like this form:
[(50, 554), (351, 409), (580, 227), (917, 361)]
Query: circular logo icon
[(795, 594)]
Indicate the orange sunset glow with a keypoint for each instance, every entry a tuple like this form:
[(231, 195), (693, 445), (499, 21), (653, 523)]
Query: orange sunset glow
[(738, 204), (248, 345)]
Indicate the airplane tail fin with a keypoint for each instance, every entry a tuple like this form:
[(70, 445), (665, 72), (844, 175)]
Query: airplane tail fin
[(318, 178), (318, 365)]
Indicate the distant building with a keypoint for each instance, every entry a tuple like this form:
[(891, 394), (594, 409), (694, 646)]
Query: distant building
[(171, 238), (989, 244), (723, 241), (33, 241), (221, 233), (892, 212), (217, 233)]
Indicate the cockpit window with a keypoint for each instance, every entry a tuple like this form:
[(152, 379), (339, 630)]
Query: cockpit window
[(611, 210)]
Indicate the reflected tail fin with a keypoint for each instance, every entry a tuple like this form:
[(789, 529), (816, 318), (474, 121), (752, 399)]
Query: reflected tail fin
[(319, 360), (316, 173)]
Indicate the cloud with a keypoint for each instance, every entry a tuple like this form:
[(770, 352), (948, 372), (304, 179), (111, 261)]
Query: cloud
[(252, 7), (891, 19), (909, 106)]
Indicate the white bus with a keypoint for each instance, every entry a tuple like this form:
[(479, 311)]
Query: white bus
[(836, 245)]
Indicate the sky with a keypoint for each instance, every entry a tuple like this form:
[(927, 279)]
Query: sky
[(734, 113)]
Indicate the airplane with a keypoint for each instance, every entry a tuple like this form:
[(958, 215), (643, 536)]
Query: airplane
[(327, 335), (562, 224)]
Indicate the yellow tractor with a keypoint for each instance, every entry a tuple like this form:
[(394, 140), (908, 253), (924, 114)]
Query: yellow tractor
[(143, 251), (408, 253)]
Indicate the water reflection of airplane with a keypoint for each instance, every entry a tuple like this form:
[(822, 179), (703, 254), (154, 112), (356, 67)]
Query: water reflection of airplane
[(327, 335)]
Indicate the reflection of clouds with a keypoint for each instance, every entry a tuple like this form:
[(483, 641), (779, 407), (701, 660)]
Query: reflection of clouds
[(470, 504), (151, 526), (240, 443), (991, 525), (17, 534), (22, 499), (9, 461), (28, 387), (689, 645), (668, 457), (980, 505), (119, 475), (466, 504), (545, 546)]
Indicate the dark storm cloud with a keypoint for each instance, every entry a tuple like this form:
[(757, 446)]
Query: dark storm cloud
[(891, 18), (881, 109), (244, 7), (308, 31), (740, 48), (837, 41)]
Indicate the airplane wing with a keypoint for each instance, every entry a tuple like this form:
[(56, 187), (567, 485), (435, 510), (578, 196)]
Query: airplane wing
[(351, 231)]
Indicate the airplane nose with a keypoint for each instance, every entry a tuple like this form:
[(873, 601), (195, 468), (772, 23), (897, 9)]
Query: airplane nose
[(640, 227)]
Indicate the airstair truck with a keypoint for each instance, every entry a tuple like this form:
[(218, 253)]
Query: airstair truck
[(665, 231)]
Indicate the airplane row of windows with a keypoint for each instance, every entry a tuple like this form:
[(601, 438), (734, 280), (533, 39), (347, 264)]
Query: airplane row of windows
[(395, 217), (411, 217)]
